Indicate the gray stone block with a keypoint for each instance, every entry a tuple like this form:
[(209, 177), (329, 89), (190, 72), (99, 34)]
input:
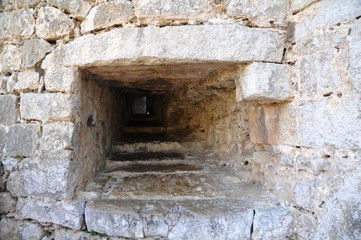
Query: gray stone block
[(62, 80), (69, 214), (266, 82), (33, 51), (17, 24), (2, 139), (174, 44), (27, 81), (7, 203), (76, 8), (8, 109), (107, 15), (52, 24), (46, 106), (22, 140), (22, 230)]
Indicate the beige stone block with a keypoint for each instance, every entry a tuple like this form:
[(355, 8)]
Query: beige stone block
[(52, 24), (62, 79), (17, 24), (27, 81), (107, 15), (76, 8)]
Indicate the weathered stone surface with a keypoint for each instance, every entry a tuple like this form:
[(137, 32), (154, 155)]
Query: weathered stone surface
[(77, 8), (69, 234), (272, 223), (331, 121), (22, 140), (2, 140), (7, 203), (266, 82), (272, 124), (174, 44), (62, 80), (107, 15), (27, 81), (169, 219), (355, 55), (33, 51), (52, 24), (47, 106), (325, 13), (8, 108), (58, 141), (10, 58), (55, 178), (298, 5), (67, 213), (262, 11), (170, 9), (317, 73), (17, 24), (22, 230)]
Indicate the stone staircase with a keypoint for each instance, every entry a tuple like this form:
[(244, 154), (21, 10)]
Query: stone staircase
[(168, 190)]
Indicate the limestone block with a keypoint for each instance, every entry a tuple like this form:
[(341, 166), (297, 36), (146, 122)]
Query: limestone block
[(62, 80), (22, 140), (113, 220), (262, 11), (177, 9), (45, 107), (55, 178), (7, 203), (27, 81), (261, 158), (272, 223), (8, 112), (66, 234), (58, 141), (355, 55), (10, 164), (76, 8), (266, 82), (16, 24), (172, 44), (274, 124), (65, 213), (52, 24), (318, 73), (331, 121), (10, 58), (22, 230), (325, 13), (107, 15), (33, 51)]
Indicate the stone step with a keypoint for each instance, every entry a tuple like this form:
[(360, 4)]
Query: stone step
[(151, 146), (204, 219)]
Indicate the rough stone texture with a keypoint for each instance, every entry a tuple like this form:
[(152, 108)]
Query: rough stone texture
[(184, 43), (8, 105), (355, 55), (298, 5), (272, 223), (107, 15), (22, 140), (62, 80), (52, 24), (17, 24), (45, 107), (170, 9), (327, 12), (2, 140), (77, 8), (168, 219), (55, 178), (10, 58), (266, 82), (58, 141), (27, 81), (7, 203), (68, 213), (22, 230), (33, 51), (264, 12)]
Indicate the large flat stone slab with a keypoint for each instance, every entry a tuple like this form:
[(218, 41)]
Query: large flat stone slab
[(220, 43), (169, 219)]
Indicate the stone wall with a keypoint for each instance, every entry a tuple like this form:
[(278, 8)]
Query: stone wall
[(295, 72)]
